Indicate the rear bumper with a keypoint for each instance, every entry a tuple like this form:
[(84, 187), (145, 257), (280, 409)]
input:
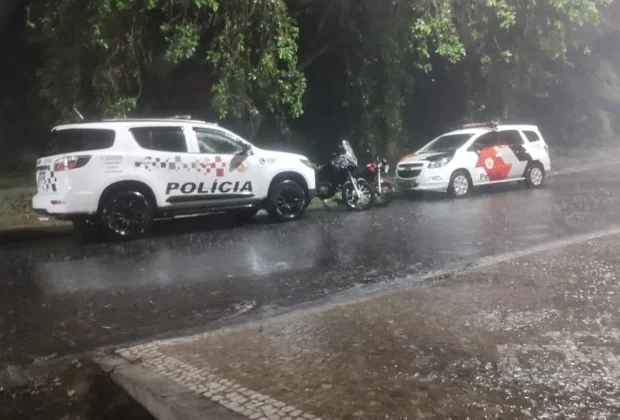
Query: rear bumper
[(64, 205)]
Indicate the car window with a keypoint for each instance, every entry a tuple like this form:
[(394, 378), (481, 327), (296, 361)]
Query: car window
[(532, 136), (510, 138), (162, 139), (446, 143), (486, 140), (76, 140), (213, 142)]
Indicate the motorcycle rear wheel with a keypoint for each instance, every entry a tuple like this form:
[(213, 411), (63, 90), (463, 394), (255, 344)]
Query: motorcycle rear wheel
[(353, 202)]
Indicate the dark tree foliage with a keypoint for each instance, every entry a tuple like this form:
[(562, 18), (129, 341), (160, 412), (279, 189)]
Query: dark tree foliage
[(390, 73)]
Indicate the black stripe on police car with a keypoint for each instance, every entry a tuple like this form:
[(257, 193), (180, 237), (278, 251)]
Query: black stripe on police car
[(204, 188)]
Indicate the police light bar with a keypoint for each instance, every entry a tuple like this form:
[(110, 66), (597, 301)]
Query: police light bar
[(491, 124), (180, 117)]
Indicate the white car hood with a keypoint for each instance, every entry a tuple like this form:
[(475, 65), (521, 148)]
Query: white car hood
[(422, 157), (279, 155)]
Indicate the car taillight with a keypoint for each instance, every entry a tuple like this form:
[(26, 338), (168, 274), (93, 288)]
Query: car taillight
[(71, 162)]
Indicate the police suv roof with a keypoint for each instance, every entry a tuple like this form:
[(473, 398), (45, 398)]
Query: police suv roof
[(133, 122)]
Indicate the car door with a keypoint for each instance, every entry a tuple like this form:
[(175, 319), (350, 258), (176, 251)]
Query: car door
[(227, 168), (511, 149), (487, 166), (162, 159)]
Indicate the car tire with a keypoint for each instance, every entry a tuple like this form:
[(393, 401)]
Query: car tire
[(460, 185), (287, 201), (127, 214), (88, 227), (535, 175)]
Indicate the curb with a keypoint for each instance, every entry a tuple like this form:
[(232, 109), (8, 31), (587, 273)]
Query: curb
[(160, 396)]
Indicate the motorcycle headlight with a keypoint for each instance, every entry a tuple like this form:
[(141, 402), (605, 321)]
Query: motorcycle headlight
[(440, 163)]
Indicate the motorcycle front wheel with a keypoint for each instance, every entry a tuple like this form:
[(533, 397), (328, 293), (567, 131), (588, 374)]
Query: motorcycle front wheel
[(385, 196), (350, 196)]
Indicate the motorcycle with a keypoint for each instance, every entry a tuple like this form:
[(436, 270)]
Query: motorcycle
[(375, 174), (343, 175)]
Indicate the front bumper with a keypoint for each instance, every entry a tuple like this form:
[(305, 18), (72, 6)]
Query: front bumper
[(427, 180), (415, 185)]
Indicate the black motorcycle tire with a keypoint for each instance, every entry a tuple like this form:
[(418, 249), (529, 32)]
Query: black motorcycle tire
[(384, 198), (347, 189)]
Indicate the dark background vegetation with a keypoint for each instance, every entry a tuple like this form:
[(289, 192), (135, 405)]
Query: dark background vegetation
[(364, 71)]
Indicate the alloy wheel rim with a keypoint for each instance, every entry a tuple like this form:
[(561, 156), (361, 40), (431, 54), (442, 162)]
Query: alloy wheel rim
[(290, 201), (461, 185), (360, 202), (536, 176), (128, 216)]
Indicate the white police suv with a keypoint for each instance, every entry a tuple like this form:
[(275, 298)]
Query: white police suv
[(119, 175), (476, 155)]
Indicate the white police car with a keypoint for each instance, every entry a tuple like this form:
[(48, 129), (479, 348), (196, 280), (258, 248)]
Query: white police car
[(119, 175), (475, 155)]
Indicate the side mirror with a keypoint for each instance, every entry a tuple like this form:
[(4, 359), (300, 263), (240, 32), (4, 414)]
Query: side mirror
[(246, 149)]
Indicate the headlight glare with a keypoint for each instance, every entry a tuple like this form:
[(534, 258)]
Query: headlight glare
[(440, 163)]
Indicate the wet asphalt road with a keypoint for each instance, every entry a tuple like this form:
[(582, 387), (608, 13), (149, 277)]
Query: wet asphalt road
[(62, 296)]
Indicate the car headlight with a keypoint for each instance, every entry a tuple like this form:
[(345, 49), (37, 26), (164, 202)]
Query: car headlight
[(440, 163), (307, 163)]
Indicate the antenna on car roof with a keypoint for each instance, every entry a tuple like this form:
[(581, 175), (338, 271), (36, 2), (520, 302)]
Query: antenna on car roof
[(78, 113)]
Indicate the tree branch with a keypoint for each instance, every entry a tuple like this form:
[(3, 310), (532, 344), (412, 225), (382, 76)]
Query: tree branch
[(312, 58)]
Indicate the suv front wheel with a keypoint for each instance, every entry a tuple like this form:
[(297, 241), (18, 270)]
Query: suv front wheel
[(288, 201), (127, 214)]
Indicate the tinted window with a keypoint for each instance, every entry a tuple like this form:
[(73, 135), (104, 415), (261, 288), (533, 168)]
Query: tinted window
[(532, 136), (210, 141), (77, 140), (484, 141), (450, 142), (509, 137), (162, 139)]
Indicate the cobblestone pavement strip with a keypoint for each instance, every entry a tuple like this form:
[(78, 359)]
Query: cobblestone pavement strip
[(535, 337)]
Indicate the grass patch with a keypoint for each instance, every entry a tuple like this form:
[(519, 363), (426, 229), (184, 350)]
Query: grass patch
[(16, 191)]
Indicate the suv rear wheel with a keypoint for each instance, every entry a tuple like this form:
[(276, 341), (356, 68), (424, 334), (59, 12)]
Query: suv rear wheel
[(287, 201), (127, 214)]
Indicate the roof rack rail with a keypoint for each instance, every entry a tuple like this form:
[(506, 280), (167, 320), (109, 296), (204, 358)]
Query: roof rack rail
[(489, 124), (168, 119)]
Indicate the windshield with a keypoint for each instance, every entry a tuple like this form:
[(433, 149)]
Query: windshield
[(348, 151), (446, 143)]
